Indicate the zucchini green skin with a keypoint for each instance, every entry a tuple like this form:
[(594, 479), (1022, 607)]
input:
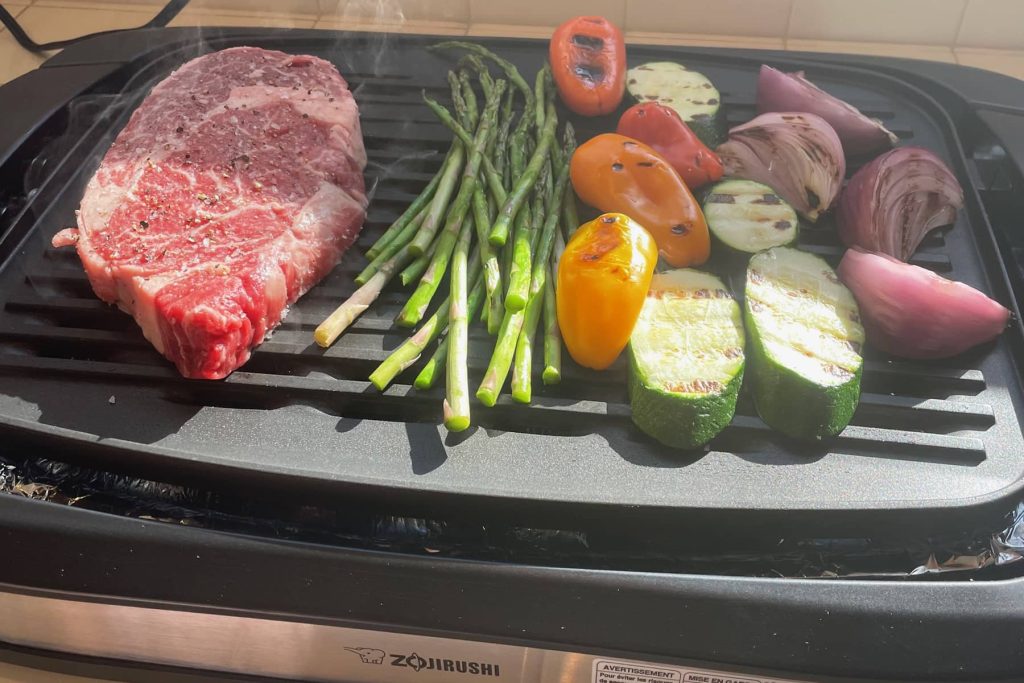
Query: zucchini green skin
[(792, 404), (677, 421), (787, 399), (711, 129), (674, 408), (752, 216)]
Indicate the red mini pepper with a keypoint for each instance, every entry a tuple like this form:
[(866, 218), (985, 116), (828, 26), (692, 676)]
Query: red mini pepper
[(661, 127), (588, 62)]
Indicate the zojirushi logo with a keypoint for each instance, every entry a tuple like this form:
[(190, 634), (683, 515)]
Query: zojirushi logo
[(418, 662)]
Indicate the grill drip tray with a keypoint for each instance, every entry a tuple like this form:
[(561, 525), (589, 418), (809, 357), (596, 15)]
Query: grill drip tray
[(931, 442)]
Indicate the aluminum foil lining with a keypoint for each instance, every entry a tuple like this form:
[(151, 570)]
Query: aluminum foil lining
[(1005, 547), (294, 518)]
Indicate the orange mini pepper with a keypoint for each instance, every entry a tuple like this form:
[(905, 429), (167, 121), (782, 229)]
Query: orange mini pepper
[(603, 277), (588, 63), (614, 173)]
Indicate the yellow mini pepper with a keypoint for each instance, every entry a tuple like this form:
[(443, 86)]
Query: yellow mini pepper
[(603, 277)]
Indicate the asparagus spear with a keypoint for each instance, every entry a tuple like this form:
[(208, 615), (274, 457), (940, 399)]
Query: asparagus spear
[(559, 246), (420, 299), (494, 181), (483, 73), (522, 373), (391, 248), (524, 242), (414, 271), (508, 67), (501, 146), (469, 96), (501, 359), (410, 214), (352, 308), (569, 213), (500, 230), (431, 372), (458, 100), (439, 203), (409, 351), (446, 186), (417, 303), (540, 99), (489, 258), (522, 367), (456, 404), (552, 336)]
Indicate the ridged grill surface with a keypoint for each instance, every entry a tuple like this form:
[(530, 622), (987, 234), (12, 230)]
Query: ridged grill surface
[(924, 434)]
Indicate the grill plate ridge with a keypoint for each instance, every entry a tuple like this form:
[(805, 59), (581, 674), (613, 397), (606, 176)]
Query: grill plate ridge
[(76, 374)]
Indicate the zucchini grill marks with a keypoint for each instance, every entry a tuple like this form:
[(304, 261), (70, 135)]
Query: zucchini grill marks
[(805, 342)]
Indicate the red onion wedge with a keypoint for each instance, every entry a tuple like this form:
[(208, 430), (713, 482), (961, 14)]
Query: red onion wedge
[(911, 312), (797, 155), (890, 204), (780, 91)]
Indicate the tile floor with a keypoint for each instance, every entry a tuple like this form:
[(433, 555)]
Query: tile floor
[(54, 19)]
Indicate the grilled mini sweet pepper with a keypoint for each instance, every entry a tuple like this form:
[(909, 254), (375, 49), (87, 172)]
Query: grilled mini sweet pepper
[(588, 62), (614, 173), (662, 129), (603, 277)]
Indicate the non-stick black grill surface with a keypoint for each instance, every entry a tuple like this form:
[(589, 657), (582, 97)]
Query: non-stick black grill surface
[(76, 374)]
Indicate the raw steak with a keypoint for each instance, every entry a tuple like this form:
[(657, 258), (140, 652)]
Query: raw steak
[(235, 187)]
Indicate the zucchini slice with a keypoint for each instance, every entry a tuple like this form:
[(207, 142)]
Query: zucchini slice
[(686, 358), (805, 343), (690, 93), (749, 217)]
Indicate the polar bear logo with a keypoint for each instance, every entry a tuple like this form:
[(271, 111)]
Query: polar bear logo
[(369, 655)]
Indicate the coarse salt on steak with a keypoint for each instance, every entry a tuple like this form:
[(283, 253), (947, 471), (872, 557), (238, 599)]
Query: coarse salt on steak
[(235, 187)]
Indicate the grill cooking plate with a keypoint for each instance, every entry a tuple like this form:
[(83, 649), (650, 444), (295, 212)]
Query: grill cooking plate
[(931, 443)]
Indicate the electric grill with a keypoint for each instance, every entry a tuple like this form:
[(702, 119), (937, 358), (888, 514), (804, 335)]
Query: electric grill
[(309, 526)]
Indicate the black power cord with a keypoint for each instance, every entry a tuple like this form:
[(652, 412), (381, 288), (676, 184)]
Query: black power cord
[(170, 10)]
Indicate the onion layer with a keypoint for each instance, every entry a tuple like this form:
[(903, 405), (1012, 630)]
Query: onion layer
[(911, 312), (780, 91), (798, 155), (891, 204)]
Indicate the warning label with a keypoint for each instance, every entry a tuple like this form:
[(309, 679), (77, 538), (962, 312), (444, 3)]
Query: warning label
[(608, 671), (618, 671), (702, 677)]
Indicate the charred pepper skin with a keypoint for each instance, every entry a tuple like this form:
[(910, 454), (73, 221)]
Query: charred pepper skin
[(588, 62), (618, 174), (603, 277)]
